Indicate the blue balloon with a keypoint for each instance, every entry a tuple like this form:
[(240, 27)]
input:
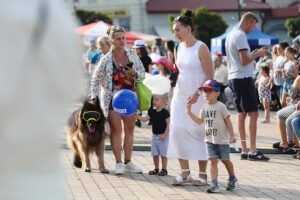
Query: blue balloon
[(125, 102)]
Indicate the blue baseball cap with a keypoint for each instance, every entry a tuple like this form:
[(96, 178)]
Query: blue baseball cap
[(210, 85)]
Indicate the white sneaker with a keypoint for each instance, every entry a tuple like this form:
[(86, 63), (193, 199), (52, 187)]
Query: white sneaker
[(120, 168), (133, 168)]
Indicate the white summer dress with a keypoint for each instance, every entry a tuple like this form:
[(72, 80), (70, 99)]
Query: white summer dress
[(186, 139)]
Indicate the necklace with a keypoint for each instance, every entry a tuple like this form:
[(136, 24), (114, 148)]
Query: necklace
[(120, 60)]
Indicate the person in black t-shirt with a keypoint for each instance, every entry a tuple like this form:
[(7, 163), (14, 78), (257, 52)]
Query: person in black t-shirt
[(160, 118)]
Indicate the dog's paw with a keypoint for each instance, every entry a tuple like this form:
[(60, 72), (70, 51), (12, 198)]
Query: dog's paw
[(87, 170), (104, 170), (77, 162)]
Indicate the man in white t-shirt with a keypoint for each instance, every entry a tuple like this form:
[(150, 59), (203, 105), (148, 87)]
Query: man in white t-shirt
[(241, 65)]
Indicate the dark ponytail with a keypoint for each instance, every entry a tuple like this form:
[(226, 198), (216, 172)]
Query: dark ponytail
[(188, 13)]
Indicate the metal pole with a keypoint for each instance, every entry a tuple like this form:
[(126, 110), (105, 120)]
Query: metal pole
[(239, 10)]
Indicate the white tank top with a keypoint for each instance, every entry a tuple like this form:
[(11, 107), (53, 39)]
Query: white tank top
[(191, 73), (289, 66)]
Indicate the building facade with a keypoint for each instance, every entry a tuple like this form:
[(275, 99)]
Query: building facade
[(271, 13), (130, 14), (152, 16)]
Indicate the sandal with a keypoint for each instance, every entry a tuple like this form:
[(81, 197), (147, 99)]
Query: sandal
[(179, 180), (199, 181), (153, 172), (163, 172)]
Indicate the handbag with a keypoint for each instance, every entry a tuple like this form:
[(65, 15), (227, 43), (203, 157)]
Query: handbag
[(144, 95)]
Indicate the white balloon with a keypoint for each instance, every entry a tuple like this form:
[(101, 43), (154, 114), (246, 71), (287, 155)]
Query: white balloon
[(158, 84)]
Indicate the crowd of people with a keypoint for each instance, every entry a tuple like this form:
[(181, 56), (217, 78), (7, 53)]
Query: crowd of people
[(200, 83)]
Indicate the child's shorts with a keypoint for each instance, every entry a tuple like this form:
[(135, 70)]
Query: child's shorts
[(220, 151), (287, 85), (159, 147)]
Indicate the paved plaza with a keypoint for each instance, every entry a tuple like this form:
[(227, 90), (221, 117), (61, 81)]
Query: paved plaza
[(277, 179)]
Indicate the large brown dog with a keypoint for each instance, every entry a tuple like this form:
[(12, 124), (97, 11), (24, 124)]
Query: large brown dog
[(85, 135)]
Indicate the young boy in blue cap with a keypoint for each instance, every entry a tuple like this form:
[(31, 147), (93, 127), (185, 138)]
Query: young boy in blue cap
[(219, 133)]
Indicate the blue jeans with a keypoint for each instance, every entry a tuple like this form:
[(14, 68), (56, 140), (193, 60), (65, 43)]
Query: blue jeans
[(279, 90), (296, 126)]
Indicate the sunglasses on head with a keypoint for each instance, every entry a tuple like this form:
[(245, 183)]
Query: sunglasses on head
[(177, 18), (117, 29), (181, 18)]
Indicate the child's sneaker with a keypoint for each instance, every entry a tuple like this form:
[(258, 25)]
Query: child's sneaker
[(232, 184), (213, 189)]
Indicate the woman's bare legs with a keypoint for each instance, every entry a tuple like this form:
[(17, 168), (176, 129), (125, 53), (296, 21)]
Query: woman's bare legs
[(115, 123), (129, 124), (184, 165)]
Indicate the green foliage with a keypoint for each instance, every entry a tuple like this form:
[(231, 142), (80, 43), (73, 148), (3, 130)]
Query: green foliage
[(293, 26), (87, 17), (207, 24), (171, 19)]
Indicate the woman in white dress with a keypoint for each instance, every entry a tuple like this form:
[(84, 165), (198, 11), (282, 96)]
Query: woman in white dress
[(195, 67)]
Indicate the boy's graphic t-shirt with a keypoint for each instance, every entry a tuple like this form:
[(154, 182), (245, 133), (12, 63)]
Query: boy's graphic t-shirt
[(216, 131)]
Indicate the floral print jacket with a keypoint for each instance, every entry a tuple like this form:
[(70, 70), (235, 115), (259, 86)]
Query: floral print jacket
[(102, 77)]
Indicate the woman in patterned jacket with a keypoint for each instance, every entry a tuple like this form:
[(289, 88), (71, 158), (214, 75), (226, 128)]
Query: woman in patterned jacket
[(119, 69)]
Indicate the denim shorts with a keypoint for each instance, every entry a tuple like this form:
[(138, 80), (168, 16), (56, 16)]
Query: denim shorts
[(159, 147), (287, 85), (220, 151)]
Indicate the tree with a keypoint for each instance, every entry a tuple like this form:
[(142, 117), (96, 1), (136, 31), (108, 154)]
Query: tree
[(207, 24), (87, 17), (293, 26)]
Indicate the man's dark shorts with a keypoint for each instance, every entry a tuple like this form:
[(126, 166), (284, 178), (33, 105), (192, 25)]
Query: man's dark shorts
[(244, 94)]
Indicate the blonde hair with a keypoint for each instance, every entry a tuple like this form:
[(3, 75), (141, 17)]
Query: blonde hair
[(164, 97), (104, 38)]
